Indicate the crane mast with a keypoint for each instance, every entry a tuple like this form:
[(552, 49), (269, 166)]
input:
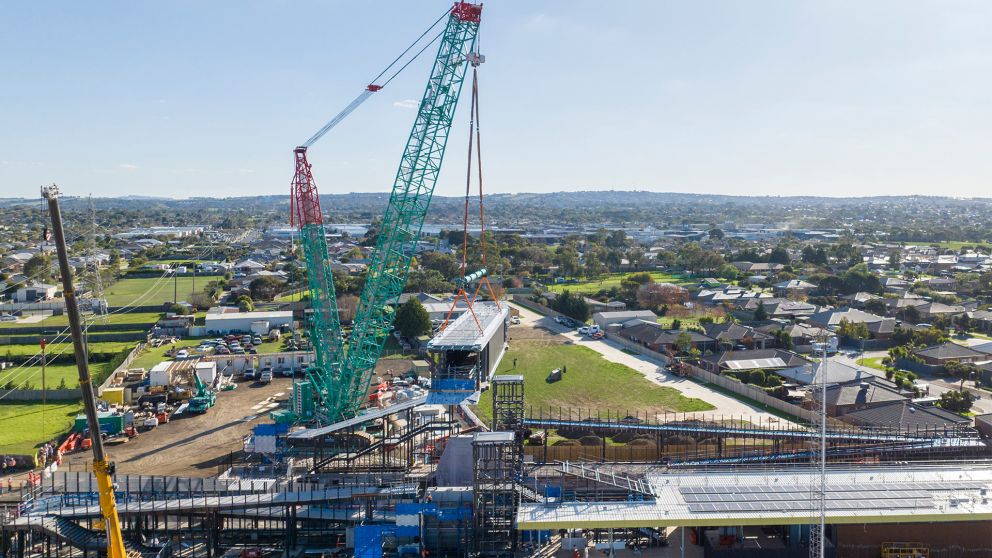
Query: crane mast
[(341, 378)]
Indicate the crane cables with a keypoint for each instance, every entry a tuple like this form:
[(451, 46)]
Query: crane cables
[(372, 87)]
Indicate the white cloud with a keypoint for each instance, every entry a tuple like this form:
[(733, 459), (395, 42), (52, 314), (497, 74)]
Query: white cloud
[(406, 104), (127, 166)]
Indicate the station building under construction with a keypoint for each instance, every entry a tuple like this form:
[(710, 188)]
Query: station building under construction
[(426, 476)]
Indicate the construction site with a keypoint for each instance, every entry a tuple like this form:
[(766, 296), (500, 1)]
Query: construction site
[(338, 473)]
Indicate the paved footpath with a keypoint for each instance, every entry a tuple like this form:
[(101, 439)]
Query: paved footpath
[(653, 370)]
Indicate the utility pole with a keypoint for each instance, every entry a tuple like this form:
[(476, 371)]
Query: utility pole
[(102, 467), (44, 394)]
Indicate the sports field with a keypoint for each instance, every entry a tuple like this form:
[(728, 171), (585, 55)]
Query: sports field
[(607, 282), (152, 290)]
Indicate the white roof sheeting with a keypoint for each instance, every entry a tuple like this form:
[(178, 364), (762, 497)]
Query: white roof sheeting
[(753, 363), (464, 333)]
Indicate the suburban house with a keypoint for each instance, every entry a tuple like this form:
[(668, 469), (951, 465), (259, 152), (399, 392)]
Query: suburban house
[(35, 292), (859, 299), (758, 359), (802, 335), (610, 321), (931, 310), (792, 287), (905, 415), (248, 267), (982, 320), (879, 327), (837, 373), (774, 308), (894, 285), (759, 268), (857, 395), (947, 352), (735, 335), (661, 340)]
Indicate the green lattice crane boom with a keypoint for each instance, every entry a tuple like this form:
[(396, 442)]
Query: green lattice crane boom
[(342, 378)]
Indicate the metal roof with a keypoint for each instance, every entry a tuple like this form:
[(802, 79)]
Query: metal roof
[(464, 334), (310, 433), (865, 494), (752, 363)]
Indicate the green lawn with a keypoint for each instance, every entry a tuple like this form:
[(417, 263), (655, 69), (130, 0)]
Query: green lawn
[(607, 282), (55, 348), (139, 319), (688, 320), (291, 297), (152, 290), (28, 425), (875, 363), (54, 374), (590, 382)]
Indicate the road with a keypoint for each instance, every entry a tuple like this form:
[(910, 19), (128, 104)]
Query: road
[(652, 370), (937, 384)]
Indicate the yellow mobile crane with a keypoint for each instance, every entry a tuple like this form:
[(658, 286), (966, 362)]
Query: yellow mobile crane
[(103, 468)]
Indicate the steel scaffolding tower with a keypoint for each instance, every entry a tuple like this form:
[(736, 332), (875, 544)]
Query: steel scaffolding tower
[(508, 402), (497, 467), (818, 496)]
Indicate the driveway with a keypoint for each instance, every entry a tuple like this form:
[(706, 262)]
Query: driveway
[(652, 370)]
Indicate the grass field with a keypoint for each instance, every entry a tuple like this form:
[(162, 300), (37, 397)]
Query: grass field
[(139, 319), (55, 348), (28, 425), (875, 363), (607, 282), (590, 382), (150, 290), (54, 374)]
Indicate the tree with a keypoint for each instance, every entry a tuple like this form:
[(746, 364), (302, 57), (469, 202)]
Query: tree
[(728, 272), (264, 288), (779, 255), (676, 324), (412, 319), (760, 313), (852, 330), (716, 234), (245, 303), (655, 295), (39, 266), (572, 305), (956, 401), (876, 306), (445, 264), (683, 342)]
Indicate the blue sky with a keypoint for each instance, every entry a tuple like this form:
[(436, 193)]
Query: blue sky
[(187, 98)]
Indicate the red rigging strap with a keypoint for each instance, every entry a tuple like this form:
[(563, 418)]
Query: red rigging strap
[(466, 11)]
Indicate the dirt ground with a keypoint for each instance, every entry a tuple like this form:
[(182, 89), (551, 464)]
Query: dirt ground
[(196, 444), (535, 330)]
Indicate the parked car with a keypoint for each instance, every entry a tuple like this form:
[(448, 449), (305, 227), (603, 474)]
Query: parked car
[(8, 318), (182, 354), (223, 350), (266, 376), (256, 340), (249, 374), (286, 372), (584, 330), (515, 320)]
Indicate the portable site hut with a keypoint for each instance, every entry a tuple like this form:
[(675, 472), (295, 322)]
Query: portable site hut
[(207, 371), (160, 375)]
